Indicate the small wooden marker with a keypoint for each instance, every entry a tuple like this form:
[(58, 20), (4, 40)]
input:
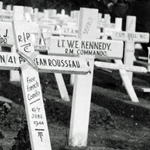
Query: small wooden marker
[(18, 14), (6, 34), (81, 47), (113, 66), (83, 84)]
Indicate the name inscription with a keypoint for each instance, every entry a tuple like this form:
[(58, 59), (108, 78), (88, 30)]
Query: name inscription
[(128, 36), (84, 47), (9, 61)]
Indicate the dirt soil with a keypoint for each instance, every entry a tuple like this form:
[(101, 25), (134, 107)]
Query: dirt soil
[(111, 125)]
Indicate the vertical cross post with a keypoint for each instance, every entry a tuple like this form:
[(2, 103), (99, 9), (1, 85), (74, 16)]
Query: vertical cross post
[(83, 84), (129, 45)]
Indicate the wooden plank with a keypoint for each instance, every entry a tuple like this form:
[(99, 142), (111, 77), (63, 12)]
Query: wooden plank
[(127, 82), (62, 87), (18, 14), (128, 36), (129, 46), (106, 49), (113, 66), (46, 63), (83, 84), (119, 64), (41, 48), (6, 34), (6, 17), (143, 89)]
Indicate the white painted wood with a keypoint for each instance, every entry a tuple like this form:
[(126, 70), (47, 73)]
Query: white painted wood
[(118, 24), (7, 40), (62, 12), (129, 46), (37, 123), (69, 31), (14, 75), (61, 84), (35, 14), (28, 9), (106, 49), (6, 17), (122, 72), (52, 13), (3, 99), (41, 48), (105, 22), (130, 37), (146, 90), (28, 17), (127, 82), (72, 79), (8, 8), (46, 14), (46, 63), (36, 118), (113, 66), (83, 85), (18, 14)]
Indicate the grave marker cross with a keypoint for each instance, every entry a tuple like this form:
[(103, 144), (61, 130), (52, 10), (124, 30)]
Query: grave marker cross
[(85, 46), (37, 123), (130, 37), (38, 129)]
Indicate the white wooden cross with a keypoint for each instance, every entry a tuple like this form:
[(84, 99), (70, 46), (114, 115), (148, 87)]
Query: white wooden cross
[(37, 123), (130, 37), (7, 38), (116, 66), (119, 65), (105, 22), (30, 64), (18, 14), (52, 13), (8, 8), (5, 15), (89, 47)]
